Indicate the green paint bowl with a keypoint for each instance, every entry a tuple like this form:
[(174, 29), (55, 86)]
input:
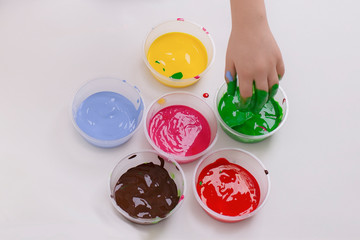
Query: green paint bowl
[(147, 156), (280, 97)]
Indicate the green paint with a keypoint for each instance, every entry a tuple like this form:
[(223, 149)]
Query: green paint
[(164, 69), (179, 192), (261, 97), (273, 90), (157, 219), (200, 183), (244, 103), (172, 175), (157, 62), (248, 122), (231, 87), (177, 75)]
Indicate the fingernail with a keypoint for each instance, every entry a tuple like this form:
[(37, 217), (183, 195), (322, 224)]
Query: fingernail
[(280, 77), (229, 77)]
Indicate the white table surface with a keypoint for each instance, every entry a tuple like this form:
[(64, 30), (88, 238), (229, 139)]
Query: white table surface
[(54, 185)]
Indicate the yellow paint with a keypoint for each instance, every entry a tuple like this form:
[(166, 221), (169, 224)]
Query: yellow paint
[(178, 52), (161, 101)]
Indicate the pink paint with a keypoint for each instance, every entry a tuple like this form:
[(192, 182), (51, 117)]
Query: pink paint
[(180, 130), (204, 29), (180, 19), (197, 77), (263, 128)]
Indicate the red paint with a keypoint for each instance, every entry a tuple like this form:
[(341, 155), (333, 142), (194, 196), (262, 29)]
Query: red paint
[(228, 188), (180, 19), (205, 95), (180, 130), (197, 77)]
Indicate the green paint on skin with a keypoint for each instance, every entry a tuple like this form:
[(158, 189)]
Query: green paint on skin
[(231, 85), (248, 103), (177, 75), (244, 103), (273, 90), (248, 122), (261, 98)]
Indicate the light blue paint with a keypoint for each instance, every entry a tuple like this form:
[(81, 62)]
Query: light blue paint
[(108, 116), (229, 77)]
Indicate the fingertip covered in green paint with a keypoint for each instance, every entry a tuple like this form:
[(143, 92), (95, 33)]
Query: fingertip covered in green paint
[(261, 97), (273, 90), (231, 85)]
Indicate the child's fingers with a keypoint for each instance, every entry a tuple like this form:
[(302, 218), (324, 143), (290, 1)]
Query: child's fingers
[(230, 77), (280, 69), (246, 92), (273, 81), (261, 93)]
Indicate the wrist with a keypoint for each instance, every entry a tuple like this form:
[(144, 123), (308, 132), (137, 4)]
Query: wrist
[(248, 14)]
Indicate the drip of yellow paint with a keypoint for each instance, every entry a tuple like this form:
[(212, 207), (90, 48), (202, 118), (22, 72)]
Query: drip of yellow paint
[(177, 52), (161, 101)]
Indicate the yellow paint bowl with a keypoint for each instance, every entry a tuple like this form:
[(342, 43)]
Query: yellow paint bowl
[(179, 26)]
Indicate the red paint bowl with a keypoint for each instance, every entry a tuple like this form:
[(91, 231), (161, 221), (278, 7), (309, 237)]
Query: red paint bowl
[(245, 160), (178, 141)]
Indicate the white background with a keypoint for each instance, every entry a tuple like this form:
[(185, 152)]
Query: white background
[(54, 185)]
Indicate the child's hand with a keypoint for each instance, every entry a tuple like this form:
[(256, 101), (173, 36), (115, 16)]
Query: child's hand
[(254, 56)]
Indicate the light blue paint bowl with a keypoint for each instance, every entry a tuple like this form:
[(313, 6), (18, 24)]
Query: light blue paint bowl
[(107, 111)]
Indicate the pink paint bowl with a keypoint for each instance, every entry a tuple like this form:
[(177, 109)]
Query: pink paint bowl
[(139, 195), (180, 126), (231, 184)]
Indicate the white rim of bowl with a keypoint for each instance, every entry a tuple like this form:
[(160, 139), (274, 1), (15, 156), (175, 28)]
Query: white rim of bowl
[(257, 137), (146, 220), (176, 158), (218, 215), (176, 20)]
